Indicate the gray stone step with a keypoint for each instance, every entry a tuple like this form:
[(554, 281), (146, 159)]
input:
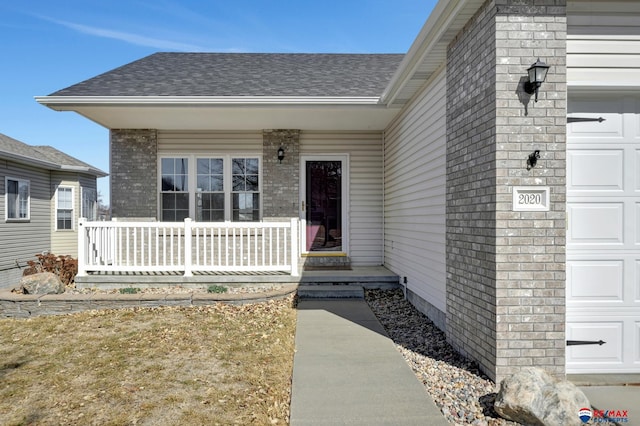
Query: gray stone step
[(330, 292)]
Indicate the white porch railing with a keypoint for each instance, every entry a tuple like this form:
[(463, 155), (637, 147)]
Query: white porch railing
[(188, 247)]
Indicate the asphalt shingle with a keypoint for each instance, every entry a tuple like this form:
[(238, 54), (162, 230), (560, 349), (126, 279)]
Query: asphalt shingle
[(244, 74)]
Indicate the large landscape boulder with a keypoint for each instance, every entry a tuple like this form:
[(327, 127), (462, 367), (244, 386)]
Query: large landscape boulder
[(533, 397), (41, 283)]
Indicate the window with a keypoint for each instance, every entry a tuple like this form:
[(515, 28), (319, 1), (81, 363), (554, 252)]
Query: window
[(246, 192), (17, 199), (89, 204), (64, 208), (216, 189), (210, 190), (175, 189)]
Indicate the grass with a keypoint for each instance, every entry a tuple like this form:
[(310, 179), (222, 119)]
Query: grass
[(213, 365), (214, 288)]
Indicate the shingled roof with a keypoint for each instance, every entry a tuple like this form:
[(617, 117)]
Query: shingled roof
[(44, 156), (244, 74)]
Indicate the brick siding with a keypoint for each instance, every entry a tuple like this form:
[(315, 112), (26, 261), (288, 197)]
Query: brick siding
[(134, 173), (281, 181), (506, 269)]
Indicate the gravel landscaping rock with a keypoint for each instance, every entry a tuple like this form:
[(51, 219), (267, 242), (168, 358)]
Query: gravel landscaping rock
[(461, 391)]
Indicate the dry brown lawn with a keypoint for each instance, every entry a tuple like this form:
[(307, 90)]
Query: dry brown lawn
[(209, 365)]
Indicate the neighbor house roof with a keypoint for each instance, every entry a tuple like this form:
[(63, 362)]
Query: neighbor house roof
[(46, 157), (244, 75)]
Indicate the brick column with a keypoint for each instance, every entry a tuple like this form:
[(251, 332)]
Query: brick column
[(134, 173), (281, 181), (506, 269)]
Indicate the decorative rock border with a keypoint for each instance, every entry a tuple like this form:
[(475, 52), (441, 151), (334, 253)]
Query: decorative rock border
[(14, 305)]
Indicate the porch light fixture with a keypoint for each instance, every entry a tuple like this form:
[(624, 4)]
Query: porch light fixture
[(280, 154), (537, 75)]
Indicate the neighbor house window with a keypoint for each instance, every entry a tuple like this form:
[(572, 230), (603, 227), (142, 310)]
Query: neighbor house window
[(89, 204), (17, 199), (217, 189), (64, 208)]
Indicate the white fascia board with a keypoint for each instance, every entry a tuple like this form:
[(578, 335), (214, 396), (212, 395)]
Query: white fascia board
[(83, 169), (64, 102)]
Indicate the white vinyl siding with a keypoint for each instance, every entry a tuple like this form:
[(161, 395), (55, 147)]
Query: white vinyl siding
[(65, 242), (21, 240), (414, 193), (603, 43), (205, 143), (364, 211)]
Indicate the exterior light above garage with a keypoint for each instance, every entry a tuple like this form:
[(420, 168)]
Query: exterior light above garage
[(537, 74)]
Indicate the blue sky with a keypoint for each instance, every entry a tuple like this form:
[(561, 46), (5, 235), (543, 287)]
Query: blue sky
[(49, 45)]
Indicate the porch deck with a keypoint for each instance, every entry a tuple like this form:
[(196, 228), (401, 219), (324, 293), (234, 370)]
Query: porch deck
[(368, 277)]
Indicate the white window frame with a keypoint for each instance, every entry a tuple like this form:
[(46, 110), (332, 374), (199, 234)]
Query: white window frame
[(192, 180), (6, 200), (85, 193), (72, 210)]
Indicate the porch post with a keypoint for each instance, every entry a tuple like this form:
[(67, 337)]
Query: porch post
[(82, 252), (295, 249), (187, 248)]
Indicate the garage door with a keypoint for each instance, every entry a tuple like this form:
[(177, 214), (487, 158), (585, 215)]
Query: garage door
[(603, 235)]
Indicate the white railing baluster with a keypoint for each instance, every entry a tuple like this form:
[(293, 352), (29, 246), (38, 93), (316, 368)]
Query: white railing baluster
[(164, 246)]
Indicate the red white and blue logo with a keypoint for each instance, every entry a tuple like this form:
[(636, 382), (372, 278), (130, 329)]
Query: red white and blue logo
[(585, 414)]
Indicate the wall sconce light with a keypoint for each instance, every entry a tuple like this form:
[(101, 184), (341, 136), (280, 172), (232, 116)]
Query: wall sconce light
[(280, 154), (537, 75), (533, 159)]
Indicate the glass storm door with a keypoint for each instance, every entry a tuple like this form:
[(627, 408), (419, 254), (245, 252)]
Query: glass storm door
[(322, 205)]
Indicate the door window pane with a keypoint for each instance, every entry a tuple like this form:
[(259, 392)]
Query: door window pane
[(324, 205)]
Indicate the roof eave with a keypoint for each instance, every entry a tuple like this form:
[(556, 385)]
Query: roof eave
[(23, 159), (68, 102), (48, 165)]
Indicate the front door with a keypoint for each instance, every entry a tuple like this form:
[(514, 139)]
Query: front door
[(322, 204)]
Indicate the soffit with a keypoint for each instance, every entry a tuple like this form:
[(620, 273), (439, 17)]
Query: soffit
[(429, 51)]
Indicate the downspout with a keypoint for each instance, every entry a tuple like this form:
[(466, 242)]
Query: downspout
[(384, 182)]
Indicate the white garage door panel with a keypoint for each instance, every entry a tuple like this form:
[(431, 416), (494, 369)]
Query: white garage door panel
[(595, 132), (637, 169), (596, 223), (603, 234), (608, 163), (595, 281), (609, 353)]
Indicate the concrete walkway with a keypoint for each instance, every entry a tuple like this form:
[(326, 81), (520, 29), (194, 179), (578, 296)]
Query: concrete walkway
[(347, 371)]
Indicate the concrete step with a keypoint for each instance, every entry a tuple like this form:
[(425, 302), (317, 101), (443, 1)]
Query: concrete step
[(330, 291)]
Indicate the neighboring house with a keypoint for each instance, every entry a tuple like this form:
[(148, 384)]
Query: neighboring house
[(422, 163), (43, 193)]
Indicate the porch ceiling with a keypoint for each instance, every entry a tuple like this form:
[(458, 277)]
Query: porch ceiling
[(322, 114)]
